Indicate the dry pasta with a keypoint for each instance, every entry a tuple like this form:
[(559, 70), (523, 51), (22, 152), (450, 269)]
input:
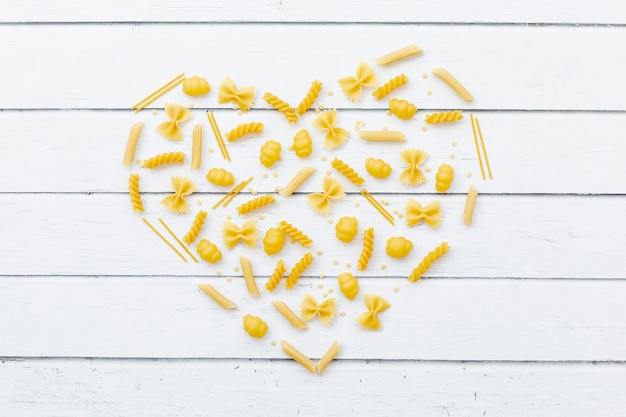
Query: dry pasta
[(368, 249), (182, 187), (232, 234), (195, 228), (177, 114), (241, 97), (348, 285), (133, 192), (298, 356), (282, 107), (432, 256), (244, 129), (414, 158), (162, 159), (220, 177), (131, 143), (402, 109), (399, 54), (164, 239), (255, 203), (444, 117), (270, 153), (444, 177), (291, 317), (208, 251), (398, 246), (298, 269), (375, 304), (346, 228), (321, 201), (444, 75), (325, 311), (276, 276), (389, 86), (302, 144), (248, 275), (382, 135), (254, 325), (159, 92), (171, 232), (310, 97), (273, 241), (196, 147), (469, 205), (377, 168), (347, 172), (328, 357), (295, 234), (196, 86), (335, 136), (209, 290), (218, 135), (430, 214), (351, 86), (297, 181), (379, 207)]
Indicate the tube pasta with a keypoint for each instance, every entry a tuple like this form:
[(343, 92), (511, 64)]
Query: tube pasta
[(444, 117), (398, 247), (351, 86), (195, 228), (328, 357), (276, 276), (291, 317), (346, 228), (302, 144), (182, 187), (255, 203), (196, 86), (209, 290), (270, 153), (402, 53), (133, 192), (391, 85), (321, 201), (298, 356), (196, 147), (468, 211), (335, 136), (296, 181), (248, 275), (325, 311), (377, 168), (242, 97), (282, 107), (310, 97), (131, 143), (348, 285), (375, 304), (220, 177), (295, 234), (298, 269), (208, 251), (414, 158), (449, 79), (402, 109), (382, 135), (162, 159), (177, 114), (254, 325), (432, 256), (444, 177), (368, 249), (244, 129), (345, 170)]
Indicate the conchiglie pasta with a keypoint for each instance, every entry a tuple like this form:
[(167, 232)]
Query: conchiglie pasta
[(196, 86), (270, 153), (398, 247), (402, 109), (444, 177), (302, 144), (346, 228), (254, 325), (208, 251), (273, 241), (348, 285), (220, 177), (377, 168)]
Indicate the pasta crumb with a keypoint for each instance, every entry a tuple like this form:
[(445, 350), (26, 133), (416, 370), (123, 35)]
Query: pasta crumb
[(424, 75), (265, 175), (190, 105), (429, 92), (424, 128), (388, 112), (330, 290), (138, 161), (454, 143), (396, 289), (199, 202), (273, 342), (400, 215), (229, 279), (261, 217), (342, 313), (275, 174), (154, 112), (322, 275), (249, 188), (320, 286), (395, 211), (427, 169), (335, 261), (323, 158), (383, 266), (239, 112), (320, 252), (235, 268), (330, 221), (211, 150), (348, 265), (219, 272), (228, 217), (330, 92), (254, 192), (324, 295), (357, 204), (385, 128), (452, 156), (468, 175)]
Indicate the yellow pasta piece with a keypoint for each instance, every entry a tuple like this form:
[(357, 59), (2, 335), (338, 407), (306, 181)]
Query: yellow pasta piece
[(133, 192), (291, 317), (414, 158), (276, 276), (377, 168), (302, 144), (310, 97), (325, 311), (321, 201), (255, 203), (347, 172), (248, 234), (220, 177), (444, 117), (162, 159), (469, 205), (282, 107), (177, 114), (246, 269), (432, 256), (399, 54), (443, 74), (131, 143), (209, 290), (244, 129), (273, 241), (368, 249), (351, 86), (182, 187), (379, 207), (375, 304), (346, 228), (415, 213), (295, 234), (196, 86), (159, 92), (296, 181), (398, 246), (218, 135), (164, 239), (402, 109), (254, 325), (171, 232), (389, 86), (335, 136), (232, 193), (195, 228), (228, 92), (270, 153), (348, 285), (382, 135), (208, 251), (328, 357), (444, 177), (298, 269), (482, 143), (196, 147), (298, 356)]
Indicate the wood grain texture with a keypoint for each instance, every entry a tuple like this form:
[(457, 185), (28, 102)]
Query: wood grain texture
[(452, 11), (505, 67)]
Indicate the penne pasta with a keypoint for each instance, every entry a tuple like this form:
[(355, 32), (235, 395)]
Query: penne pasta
[(449, 79), (288, 313), (328, 357), (298, 356), (246, 268), (382, 135), (297, 181), (394, 56), (468, 211), (217, 296), (131, 143), (196, 147)]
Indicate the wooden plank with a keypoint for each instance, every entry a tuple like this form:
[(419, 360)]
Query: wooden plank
[(505, 67), (478, 319), (577, 11), (511, 236), (82, 151)]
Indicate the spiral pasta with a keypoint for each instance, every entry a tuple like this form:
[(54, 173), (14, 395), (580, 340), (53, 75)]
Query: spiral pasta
[(444, 117), (389, 86), (242, 97), (177, 114), (270, 153), (133, 192), (402, 109), (432, 256), (195, 228), (254, 325), (244, 129), (310, 97), (298, 269), (398, 246), (273, 241), (162, 159), (295, 234), (276, 276), (208, 251), (368, 248), (348, 285), (255, 203), (196, 86), (220, 177), (377, 168), (346, 228), (282, 107), (444, 177), (345, 170), (302, 144)]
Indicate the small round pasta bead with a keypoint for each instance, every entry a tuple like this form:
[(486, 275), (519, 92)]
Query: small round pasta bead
[(133, 191), (310, 97), (276, 276), (295, 234), (164, 158), (282, 107), (298, 269), (432, 256), (195, 228), (389, 86), (255, 203), (368, 249), (243, 129), (347, 172), (444, 117)]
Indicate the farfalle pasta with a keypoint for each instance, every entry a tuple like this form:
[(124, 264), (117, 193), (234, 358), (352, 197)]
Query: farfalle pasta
[(302, 144), (309, 99), (182, 187), (282, 107), (321, 201), (196, 86), (402, 109), (273, 241), (348, 285), (270, 153), (375, 304), (335, 136), (220, 177), (414, 158), (196, 227), (254, 326), (298, 269), (430, 214), (177, 114), (309, 308), (247, 234), (244, 129), (444, 178), (389, 86), (398, 246), (241, 97), (209, 251), (346, 228), (368, 249), (377, 168), (351, 86), (347, 171)]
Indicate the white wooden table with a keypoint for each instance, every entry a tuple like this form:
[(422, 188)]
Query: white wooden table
[(525, 316)]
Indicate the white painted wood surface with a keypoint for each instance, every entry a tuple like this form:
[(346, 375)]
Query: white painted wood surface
[(93, 308)]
